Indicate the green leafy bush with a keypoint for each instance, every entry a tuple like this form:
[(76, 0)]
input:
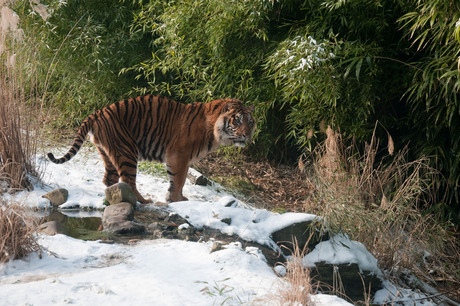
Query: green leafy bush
[(434, 92), (304, 64), (79, 49)]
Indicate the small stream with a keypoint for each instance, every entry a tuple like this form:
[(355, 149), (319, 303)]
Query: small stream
[(87, 225)]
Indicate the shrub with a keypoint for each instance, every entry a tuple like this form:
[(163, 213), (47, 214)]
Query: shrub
[(433, 94), (377, 203), (16, 232), (78, 49), (303, 64)]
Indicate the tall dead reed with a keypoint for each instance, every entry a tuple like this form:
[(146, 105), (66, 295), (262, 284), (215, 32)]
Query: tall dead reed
[(18, 143), (377, 201), (18, 119), (16, 146)]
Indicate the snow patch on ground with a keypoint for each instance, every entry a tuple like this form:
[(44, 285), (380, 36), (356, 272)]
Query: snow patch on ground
[(159, 272)]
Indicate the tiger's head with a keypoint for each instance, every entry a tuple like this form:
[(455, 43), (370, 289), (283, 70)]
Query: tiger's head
[(235, 125)]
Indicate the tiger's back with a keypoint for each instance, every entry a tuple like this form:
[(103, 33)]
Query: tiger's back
[(157, 128)]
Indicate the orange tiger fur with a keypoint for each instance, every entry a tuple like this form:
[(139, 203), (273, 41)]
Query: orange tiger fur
[(157, 128)]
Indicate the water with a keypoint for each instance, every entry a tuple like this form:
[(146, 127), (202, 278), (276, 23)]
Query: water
[(87, 225), (83, 225)]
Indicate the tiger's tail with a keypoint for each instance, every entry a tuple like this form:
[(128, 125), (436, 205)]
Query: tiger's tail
[(77, 143)]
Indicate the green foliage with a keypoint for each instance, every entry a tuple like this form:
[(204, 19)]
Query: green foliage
[(152, 168), (302, 71), (304, 64), (79, 50), (203, 49), (434, 29), (312, 63)]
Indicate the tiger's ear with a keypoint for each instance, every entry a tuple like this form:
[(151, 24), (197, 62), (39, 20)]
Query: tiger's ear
[(251, 108), (227, 107)]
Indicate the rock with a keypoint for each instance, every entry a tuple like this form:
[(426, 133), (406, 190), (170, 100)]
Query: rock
[(124, 210), (351, 283), (308, 234), (197, 178), (216, 246), (161, 204), (227, 201), (202, 181), (227, 221), (280, 270), (164, 224), (57, 197), (118, 218), (120, 192), (175, 219), (124, 227), (52, 228)]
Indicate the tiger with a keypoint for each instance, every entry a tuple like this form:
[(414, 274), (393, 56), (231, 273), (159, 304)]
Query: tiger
[(157, 128)]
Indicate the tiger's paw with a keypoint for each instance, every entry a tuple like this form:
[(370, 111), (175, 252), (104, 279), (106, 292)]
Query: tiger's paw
[(145, 201)]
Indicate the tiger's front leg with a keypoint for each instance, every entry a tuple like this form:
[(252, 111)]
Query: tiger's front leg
[(177, 173)]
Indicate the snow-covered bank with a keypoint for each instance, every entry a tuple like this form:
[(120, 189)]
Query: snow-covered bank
[(157, 272)]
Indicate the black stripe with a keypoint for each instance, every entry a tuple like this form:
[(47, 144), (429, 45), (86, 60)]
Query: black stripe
[(124, 173), (191, 109), (126, 114), (128, 164), (193, 119)]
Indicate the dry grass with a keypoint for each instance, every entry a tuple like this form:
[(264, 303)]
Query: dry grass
[(16, 233), (18, 143), (18, 119), (297, 288), (377, 203), (261, 182)]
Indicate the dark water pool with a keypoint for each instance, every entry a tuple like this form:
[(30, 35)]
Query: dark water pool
[(77, 224), (87, 225)]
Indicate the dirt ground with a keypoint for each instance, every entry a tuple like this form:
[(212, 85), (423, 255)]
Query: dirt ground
[(261, 183)]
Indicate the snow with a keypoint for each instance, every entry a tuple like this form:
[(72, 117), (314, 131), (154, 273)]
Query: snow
[(159, 272), (339, 250), (252, 225)]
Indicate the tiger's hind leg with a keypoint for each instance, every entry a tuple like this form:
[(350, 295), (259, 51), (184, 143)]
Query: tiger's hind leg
[(177, 173), (127, 169), (122, 159), (111, 174), (126, 164)]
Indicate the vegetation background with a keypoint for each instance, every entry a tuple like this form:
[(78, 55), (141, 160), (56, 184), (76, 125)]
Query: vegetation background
[(304, 64), (364, 94)]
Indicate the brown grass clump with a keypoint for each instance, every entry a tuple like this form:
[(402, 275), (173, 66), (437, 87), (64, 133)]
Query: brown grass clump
[(297, 288), (378, 204), (16, 233), (15, 143)]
